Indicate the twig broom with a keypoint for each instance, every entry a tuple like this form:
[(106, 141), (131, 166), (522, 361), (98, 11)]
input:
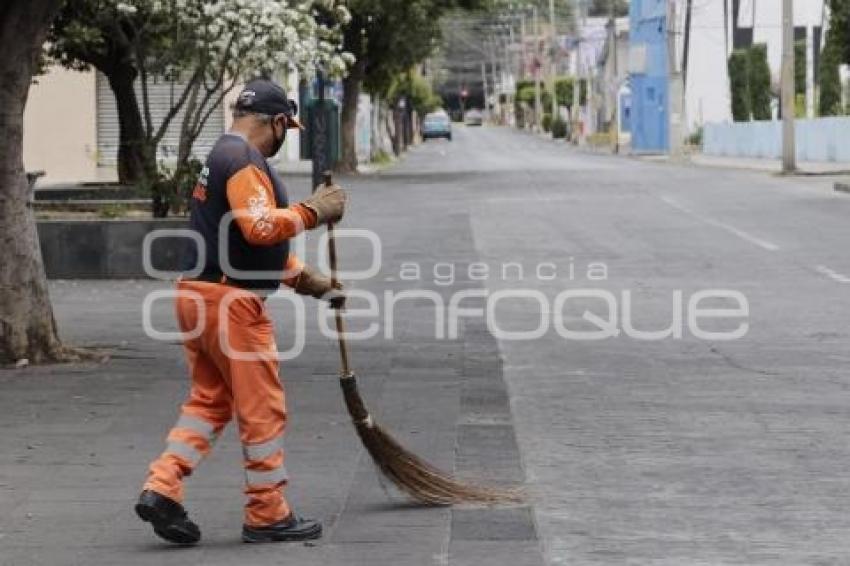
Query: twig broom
[(407, 471)]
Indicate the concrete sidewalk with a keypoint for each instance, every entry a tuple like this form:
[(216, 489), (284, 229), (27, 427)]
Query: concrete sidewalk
[(77, 439), (767, 165)]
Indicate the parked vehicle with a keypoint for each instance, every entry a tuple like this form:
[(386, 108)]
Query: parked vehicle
[(474, 117), (437, 125)]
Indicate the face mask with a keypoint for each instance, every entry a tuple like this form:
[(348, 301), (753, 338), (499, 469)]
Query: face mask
[(278, 142)]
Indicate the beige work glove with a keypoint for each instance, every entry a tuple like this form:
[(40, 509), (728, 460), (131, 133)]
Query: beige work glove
[(315, 284), (328, 202)]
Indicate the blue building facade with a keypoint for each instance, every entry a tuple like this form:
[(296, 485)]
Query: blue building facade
[(648, 78)]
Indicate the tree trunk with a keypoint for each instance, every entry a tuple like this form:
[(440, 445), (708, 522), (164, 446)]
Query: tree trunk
[(136, 162), (27, 326), (352, 86), (181, 182), (374, 124), (381, 144), (398, 131)]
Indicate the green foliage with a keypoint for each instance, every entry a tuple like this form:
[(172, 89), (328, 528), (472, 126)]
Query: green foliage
[(547, 123), (390, 36), (97, 33), (559, 129), (840, 22), (525, 91), (739, 86), (171, 186), (759, 82), (564, 91), (829, 78), (749, 83), (800, 67), (381, 157), (417, 90), (695, 139), (800, 105), (203, 48), (112, 210)]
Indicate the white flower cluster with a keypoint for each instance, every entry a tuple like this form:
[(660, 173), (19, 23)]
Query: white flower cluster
[(251, 36)]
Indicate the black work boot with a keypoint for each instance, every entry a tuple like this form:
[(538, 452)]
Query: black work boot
[(291, 529), (169, 518)]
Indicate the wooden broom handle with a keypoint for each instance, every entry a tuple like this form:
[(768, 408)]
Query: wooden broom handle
[(340, 322)]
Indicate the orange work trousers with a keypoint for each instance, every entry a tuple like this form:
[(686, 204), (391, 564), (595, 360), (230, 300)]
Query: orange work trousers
[(231, 352)]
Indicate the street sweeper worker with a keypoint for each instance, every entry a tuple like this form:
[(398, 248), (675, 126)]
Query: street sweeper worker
[(229, 338)]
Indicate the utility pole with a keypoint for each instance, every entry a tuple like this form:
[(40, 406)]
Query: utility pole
[(484, 82), (524, 55), (553, 68), (576, 89), (616, 85), (675, 86), (789, 148), (510, 53), (580, 21), (538, 107), (497, 104)]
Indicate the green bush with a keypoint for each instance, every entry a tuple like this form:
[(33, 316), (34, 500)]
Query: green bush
[(559, 129), (564, 91), (800, 67), (695, 139), (417, 90), (839, 20), (749, 83), (525, 91), (547, 123), (739, 86), (759, 82), (829, 77)]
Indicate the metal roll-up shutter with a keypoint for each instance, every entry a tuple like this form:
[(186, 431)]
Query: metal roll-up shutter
[(162, 95)]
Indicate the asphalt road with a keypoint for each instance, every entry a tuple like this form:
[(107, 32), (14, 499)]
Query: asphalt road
[(688, 450), (678, 447)]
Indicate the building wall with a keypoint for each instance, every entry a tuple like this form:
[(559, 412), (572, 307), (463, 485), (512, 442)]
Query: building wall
[(60, 127), (648, 75), (711, 42), (768, 24), (708, 97), (818, 139)]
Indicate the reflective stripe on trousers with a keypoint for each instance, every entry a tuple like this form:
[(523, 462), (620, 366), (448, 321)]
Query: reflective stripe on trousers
[(224, 386), (200, 431), (263, 455)]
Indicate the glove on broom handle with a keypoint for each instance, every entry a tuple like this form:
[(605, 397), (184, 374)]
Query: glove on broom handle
[(340, 323)]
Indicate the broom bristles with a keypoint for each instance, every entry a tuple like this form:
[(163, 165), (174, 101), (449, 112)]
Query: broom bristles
[(410, 473)]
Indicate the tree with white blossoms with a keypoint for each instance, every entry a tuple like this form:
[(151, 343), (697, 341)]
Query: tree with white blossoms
[(204, 47), (212, 42)]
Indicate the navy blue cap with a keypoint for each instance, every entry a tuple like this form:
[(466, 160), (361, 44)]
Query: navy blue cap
[(263, 96)]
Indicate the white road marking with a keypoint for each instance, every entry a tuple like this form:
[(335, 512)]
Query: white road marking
[(834, 275), (764, 244)]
